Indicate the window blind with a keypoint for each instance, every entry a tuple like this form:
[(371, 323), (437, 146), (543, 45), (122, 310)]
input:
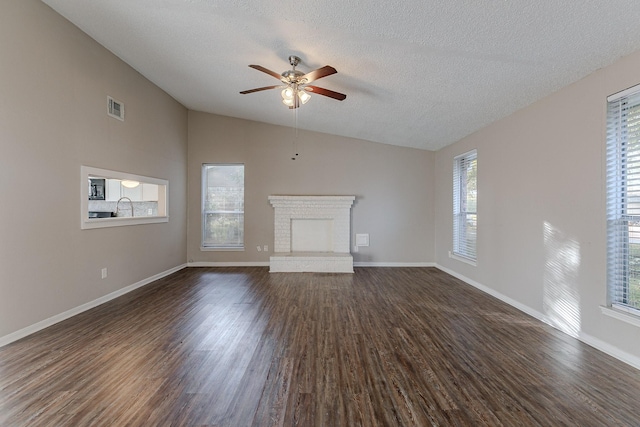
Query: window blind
[(623, 200), (465, 205)]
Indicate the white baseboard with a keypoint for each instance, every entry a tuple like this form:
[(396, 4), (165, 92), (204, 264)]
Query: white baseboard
[(605, 347), (84, 307), (394, 264), (228, 264), (266, 264), (524, 308), (585, 338)]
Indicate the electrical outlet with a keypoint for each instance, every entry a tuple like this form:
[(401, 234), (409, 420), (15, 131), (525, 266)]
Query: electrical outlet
[(150, 212), (362, 239), (266, 248), (259, 248), (104, 273)]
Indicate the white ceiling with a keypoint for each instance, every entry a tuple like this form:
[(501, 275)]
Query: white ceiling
[(417, 73)]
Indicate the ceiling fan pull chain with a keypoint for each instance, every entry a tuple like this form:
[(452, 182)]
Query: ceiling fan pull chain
[(295, 134)]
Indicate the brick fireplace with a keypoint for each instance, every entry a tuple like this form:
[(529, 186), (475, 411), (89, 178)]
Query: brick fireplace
[(312, 234)]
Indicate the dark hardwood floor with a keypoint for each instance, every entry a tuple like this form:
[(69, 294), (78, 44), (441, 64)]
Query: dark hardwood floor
[(242, 347)]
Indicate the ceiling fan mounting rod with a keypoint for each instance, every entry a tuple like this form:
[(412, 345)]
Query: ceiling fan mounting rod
[(294, 61)]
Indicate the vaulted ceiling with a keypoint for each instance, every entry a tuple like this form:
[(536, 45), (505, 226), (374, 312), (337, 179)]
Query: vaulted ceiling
[(417, 73)]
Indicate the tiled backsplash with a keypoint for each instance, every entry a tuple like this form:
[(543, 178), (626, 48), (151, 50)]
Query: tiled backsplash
[(139, 208)]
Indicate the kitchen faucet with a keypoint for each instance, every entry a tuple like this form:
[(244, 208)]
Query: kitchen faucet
[(118, 205)]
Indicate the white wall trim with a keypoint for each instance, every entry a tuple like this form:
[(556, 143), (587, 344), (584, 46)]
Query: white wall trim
[(229, 264), (610, 350), (524, 308), (7, 339), (463, 259), (394, 264), (619, 314), (266, 264), (585, 338)]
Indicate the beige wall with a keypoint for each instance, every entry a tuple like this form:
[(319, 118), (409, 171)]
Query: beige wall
[(393, 186), (55, 82), (541, 208)]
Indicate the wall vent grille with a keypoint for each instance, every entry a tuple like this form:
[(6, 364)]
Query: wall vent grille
[(115, 108)]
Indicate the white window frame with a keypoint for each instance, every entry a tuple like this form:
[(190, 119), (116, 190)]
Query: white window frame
[(623, 204), (464, 247), (209, 246)]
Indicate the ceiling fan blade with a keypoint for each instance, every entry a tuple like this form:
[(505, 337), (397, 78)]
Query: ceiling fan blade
[(319, 73), (258, 89), (265, 70), (326, 92)]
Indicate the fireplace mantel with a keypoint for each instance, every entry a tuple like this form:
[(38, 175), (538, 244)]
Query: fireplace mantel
[(329, 244)]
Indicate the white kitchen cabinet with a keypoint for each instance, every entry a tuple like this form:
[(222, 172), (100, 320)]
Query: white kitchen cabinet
[(150, 192), (113, 190), (142, 193)]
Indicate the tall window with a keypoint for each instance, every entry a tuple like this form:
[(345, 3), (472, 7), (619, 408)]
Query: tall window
[(223, 206), (623, 200), (465, 194)]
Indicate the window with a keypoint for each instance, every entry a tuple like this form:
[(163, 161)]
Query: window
[(223, 206), (465, 193), (623, 200)]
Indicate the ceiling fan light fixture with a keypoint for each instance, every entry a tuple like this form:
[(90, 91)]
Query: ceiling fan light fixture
[(304, 96), (287, 93)]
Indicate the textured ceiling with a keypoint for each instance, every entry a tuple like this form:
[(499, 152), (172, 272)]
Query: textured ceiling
[(417, 73)]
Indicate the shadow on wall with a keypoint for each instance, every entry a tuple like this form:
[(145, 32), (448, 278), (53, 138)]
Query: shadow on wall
[(561, 299)]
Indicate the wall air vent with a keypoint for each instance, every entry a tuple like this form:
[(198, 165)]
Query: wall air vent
[(115, 108)]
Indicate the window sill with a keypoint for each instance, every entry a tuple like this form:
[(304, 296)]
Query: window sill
[(89, 223), (463, 259), (621, 315), (221, 249)]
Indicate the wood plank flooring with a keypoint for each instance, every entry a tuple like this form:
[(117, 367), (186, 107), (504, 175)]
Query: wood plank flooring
[(242, 347)]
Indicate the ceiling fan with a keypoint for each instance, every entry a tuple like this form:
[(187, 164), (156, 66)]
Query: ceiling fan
[(296, 87)]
